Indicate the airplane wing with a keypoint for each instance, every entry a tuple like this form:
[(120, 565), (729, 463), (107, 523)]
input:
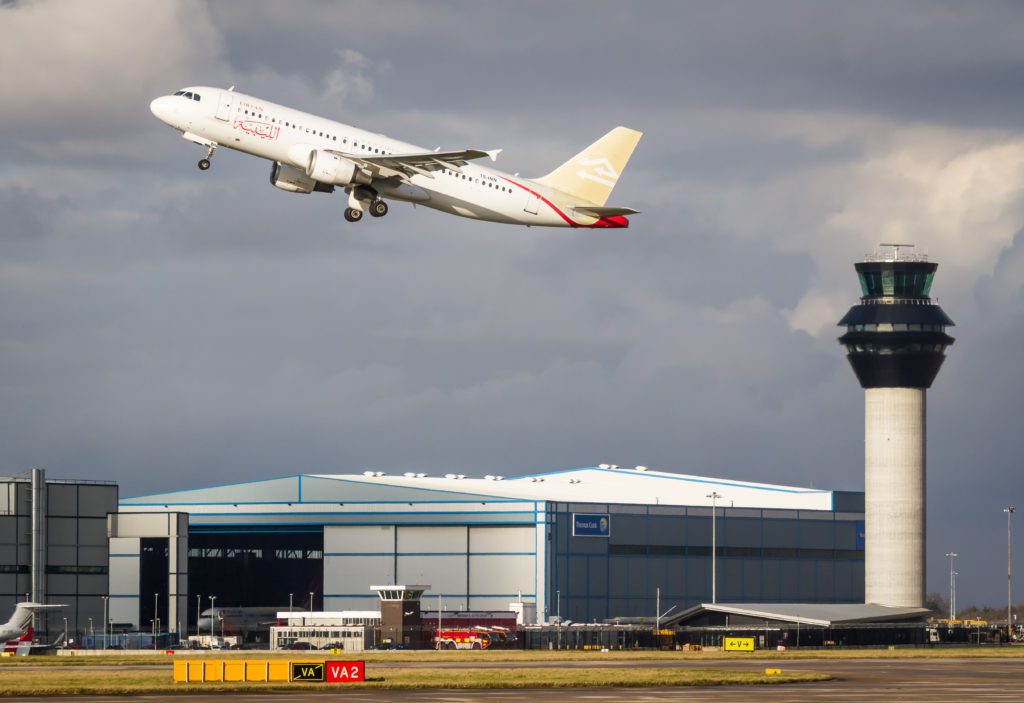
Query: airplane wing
[(604, 211), (405, 166)]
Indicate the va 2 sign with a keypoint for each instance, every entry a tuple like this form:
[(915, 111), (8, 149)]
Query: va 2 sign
[(345, 672)]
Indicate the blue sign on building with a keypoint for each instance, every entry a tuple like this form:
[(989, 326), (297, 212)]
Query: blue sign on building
[(591, 525), (859, 526)]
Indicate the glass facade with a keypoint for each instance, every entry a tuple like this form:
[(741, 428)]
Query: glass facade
[(895, 282), (762, 556)]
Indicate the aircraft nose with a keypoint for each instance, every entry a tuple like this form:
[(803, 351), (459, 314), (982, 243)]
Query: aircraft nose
[(161, 107)]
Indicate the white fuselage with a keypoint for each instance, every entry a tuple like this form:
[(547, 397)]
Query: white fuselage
[(288, 136)]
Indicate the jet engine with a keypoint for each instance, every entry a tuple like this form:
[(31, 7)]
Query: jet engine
[(294, 180), (327, 167)]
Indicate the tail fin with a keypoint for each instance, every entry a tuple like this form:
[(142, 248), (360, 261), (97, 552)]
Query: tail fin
[(21, 618), (592, 173)]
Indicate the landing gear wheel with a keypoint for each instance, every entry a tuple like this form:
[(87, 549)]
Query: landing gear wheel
[(378, 208), (353, 215), (204, 164)]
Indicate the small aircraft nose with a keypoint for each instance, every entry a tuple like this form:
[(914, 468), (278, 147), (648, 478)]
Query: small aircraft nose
[(161, 107)]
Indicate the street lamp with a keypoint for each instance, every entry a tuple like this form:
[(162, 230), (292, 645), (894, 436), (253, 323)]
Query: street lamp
[(558, 614), (213, 600), (311, 601), (290, 595), (714, 496), (65, 633), (92, 635), (439, 608), (199, 611), (952, 586), (106, 620), (1009, 581)]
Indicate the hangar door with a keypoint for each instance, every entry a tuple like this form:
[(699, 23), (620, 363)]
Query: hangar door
[(471, 567)]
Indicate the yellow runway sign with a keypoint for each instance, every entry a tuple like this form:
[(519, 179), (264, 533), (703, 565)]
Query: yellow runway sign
[(738, 644)]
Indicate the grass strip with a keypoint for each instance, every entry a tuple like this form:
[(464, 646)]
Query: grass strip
[(93, 682), (529, 656)]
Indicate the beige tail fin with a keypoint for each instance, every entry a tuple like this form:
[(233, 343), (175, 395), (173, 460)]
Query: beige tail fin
[(592, 173)]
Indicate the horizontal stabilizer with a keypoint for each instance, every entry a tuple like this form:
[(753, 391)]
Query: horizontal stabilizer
[(604, 211)]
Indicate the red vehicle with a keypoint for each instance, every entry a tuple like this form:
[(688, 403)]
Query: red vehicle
[(473, 638)]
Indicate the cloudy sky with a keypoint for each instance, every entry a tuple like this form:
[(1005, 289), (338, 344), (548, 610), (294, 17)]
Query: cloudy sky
[(168, 328)]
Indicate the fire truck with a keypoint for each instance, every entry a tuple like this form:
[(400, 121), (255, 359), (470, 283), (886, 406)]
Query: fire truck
[(474, 638)]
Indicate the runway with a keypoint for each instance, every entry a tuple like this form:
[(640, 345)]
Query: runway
[(856, 680)]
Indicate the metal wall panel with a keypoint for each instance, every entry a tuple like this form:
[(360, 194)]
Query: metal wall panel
[(61, 531), (444, 574), (359, 539), (92, 532), (8, 530), (428, 539), (780, 533), (62, 499), (502, 539), (96, 501), (505, 574), (353, 575), (816, 534), (62, 556)]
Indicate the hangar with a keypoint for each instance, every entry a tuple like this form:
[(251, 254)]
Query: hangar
[(581, 544)]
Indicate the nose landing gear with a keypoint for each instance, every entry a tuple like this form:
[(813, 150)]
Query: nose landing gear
[(204, 163)]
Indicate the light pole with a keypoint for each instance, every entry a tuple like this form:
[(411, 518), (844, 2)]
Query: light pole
[(311, 601), (952, 585), (65, 633), (955, 574), (438, 644), (213, 600), (199, 611), (1009, 580), (714, 496), (92, 635), (106, 620), (290, 597), (558, 614)]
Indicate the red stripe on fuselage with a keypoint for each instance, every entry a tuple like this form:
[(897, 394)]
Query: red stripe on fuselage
[(612, 221)]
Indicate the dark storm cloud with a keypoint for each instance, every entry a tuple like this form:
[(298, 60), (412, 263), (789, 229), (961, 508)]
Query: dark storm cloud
[(167, 328)]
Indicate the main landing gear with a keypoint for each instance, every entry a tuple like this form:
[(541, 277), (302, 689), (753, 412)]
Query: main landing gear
[(364, 199)]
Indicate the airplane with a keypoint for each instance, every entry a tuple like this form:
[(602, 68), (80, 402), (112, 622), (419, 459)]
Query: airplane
[(15, 629), (314, 154)]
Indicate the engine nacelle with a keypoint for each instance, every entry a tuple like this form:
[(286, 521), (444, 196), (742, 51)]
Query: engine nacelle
[(295, 180), (327, 167)]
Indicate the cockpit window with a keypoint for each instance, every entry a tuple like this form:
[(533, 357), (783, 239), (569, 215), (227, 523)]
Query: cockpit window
[(195, 96), (180, 92), (188, 95)]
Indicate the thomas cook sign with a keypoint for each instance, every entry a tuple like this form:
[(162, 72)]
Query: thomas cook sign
[(591, 525)]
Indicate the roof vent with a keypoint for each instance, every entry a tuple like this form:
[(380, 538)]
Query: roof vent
[(461, 476), (421, 475), (641, 468), (378, 473), (410, 474), (450, 476), (499, 478), (613, 466), (574, 480), (604, 466), (367, 473)]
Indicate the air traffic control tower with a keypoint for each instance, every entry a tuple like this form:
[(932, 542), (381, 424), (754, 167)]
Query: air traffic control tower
[(895, 341)]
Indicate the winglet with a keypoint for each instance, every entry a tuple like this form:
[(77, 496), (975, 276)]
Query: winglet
[(493, 153)]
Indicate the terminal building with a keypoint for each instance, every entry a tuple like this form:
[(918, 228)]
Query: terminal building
[(583, 544)]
